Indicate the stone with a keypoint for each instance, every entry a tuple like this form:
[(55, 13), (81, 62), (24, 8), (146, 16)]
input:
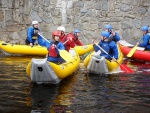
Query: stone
[(47, 19), (126, 24), (125, 8), (16, 16), (104, 5), (141, 10), (1, 15), (75, 19), (79, 4), (23, 34), (56, 21), (98, 6), (46, 3), (27, 7), (129, 15), (8, 15), (35, 16), (145, 21), (83, 12), (89, 5), (148, 11), (137, 23), (16, 4), (90, 27), (69, 4), (111, 4), (126, 34)]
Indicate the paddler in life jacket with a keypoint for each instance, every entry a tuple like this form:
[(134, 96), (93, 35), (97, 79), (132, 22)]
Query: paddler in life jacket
[(72, 39), (145, 38), (53, 53), (109, 46), (32, 34), (112, 34)]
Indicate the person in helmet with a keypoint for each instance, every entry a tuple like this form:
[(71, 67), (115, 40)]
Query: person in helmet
[(113, 35), (62, 30), (71, 40), (32, 34), (53, 46), (145, 38), (109, 46)]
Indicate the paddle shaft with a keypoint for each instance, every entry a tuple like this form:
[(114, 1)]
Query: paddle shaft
[(49, 41)]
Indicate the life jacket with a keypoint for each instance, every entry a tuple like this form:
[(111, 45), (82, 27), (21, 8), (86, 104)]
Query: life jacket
[(35, 33), (52, 51), (105, 46)]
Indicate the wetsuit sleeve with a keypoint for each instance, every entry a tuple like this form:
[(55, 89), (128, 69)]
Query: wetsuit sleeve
[(117, 38)]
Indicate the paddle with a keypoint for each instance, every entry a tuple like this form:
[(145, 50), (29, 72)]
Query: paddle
[(133, 50), (122, 66), (63, 53)]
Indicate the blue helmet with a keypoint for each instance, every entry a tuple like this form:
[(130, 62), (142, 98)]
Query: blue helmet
[(144, 28), (105, 34), (108, 27), (76, 31)]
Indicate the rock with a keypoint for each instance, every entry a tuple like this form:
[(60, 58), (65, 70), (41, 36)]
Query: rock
[(125, 8)]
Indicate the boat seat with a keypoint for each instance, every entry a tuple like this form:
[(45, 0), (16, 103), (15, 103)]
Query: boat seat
[(41, 72), (97, 65)]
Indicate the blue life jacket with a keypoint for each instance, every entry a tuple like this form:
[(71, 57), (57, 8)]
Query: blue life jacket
[(109, 47)]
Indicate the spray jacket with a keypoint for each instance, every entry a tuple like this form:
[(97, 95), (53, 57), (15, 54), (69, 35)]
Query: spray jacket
[(71, 44), (109, 47), (32, 36), (115, 38), (145, 41)]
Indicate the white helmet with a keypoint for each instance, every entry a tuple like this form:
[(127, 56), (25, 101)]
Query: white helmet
[(34, 22), (61, 28)]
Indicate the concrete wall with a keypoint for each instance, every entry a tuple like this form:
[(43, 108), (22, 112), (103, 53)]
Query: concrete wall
[(90, 16)]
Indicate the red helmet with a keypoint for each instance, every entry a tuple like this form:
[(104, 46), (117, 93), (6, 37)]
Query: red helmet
[(56, 33)]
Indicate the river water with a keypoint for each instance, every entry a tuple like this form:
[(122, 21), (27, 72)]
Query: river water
[(79, 93)]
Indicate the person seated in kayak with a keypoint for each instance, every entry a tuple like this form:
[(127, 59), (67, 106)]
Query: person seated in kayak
[(53, 46), (32, 34), (62, 30), (72, 39), (109, 46), (113, 35), (145, 38)]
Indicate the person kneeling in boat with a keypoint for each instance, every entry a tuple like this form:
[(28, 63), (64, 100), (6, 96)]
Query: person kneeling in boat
[(145, 38), (32, 34), (72, 39), (53, 53), (109, 46), (113, 36)]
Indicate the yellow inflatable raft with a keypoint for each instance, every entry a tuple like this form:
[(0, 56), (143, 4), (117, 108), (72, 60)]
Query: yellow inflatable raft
[(42, 71), (15, 49), (111, 65)]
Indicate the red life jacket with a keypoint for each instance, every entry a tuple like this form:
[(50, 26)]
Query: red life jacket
[(52, 51)]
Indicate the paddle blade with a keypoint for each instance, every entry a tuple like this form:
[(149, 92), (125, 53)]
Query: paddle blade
[(65, 55), (124, 68), (132, 51)]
